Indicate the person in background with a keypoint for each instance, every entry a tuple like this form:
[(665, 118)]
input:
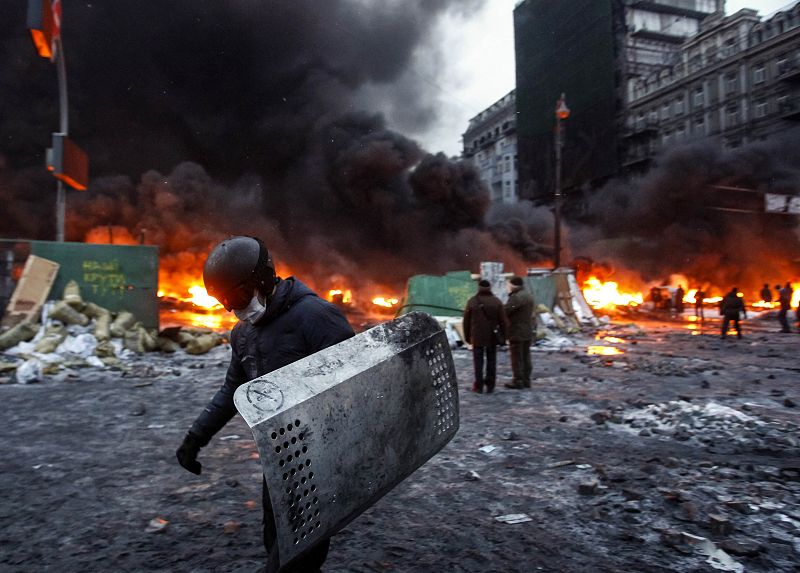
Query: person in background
[(785, 300), (519, 310), (766, 293), (679, 294), (730, 308), (698, 302), (485, 326)]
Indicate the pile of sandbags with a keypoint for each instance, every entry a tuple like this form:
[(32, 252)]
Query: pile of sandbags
[(76, 333)]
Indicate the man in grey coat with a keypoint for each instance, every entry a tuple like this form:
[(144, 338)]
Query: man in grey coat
[(519, 310)]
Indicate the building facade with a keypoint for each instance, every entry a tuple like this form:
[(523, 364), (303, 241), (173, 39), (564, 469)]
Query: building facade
[(590, 50), (490, 144), (736, 81)]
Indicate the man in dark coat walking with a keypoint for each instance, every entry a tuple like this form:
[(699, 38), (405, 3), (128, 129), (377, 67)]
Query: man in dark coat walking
[(785, 300), (730, 308), (485, 326), (519, 310), (280, 322)]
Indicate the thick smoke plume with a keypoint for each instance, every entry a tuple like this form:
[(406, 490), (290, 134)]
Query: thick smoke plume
[(683, 217), (240, 117)]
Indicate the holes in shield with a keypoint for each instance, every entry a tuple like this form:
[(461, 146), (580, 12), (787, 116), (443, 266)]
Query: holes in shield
[(303, 503), (444, 392)]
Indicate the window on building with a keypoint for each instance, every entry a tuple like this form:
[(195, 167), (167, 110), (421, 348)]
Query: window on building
[(679, 106), (762, 108), (653, 116), (680, 134), (665, 111), (759, 74), (729, 47), (697, 98), (695, 63), (640, 121), (731, 83), (732, 116), (783, 64), (699, 128), (667, 137)]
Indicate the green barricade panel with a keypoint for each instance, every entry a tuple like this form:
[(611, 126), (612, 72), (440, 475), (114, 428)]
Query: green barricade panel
[(116, 277), (439, 295)]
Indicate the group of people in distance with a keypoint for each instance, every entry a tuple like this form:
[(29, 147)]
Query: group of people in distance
[(783, 296), (489, 323)]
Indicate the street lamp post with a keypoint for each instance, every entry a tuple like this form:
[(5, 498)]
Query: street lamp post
[(562, 113), (67, 162)]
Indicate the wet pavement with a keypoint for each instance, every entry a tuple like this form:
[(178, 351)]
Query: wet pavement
[(676, 452)]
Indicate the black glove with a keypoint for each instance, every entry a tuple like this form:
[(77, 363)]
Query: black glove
[(187, 454)]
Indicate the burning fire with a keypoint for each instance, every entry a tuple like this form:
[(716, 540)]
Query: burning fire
[(607, 294), (385, 302), (691, 298), (343, 296)]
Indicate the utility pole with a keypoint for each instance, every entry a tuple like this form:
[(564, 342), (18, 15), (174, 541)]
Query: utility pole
[(68, 162), (562, 113)]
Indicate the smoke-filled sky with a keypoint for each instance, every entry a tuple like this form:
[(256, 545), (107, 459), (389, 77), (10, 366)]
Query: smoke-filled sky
[(310, 124)]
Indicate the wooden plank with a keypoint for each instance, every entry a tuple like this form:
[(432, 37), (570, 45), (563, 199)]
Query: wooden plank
[(31, 292)]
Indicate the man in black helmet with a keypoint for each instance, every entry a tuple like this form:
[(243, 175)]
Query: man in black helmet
[(280, 321)]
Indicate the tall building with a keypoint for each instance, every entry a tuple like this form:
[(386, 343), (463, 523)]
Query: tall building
[(736, 81), (490, 144), (589, 50)]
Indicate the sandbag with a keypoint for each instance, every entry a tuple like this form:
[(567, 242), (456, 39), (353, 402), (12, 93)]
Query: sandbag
[(65, 314), (122, 324), (102, 326), (202, 344), (184, 338), (104, 349), (167, 345), (23, 332), (139, 340), (72, 295), (93, 310), (53, 336)]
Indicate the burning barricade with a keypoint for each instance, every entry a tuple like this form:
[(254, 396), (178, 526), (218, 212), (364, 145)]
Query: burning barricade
[(73, 333)]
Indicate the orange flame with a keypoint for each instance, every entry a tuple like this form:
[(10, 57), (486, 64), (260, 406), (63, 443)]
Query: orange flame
[(607, 294), (344, 296), (386, 302)]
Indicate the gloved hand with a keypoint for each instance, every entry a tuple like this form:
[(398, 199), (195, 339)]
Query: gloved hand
[(187, 454)]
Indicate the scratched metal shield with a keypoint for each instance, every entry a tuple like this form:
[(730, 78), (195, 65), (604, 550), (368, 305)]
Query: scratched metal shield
[(339, 429)]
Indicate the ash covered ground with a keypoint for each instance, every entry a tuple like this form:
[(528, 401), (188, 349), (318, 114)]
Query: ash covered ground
[(650, 460)]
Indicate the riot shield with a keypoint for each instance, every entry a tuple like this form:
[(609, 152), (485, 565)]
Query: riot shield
[(339, 429)]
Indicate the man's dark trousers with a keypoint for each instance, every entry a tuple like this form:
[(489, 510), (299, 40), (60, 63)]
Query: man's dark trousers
[(521, 362), (782, 319), (488, 379), (726, 321)]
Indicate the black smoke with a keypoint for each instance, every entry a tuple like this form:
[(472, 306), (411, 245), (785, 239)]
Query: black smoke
[(700, 212), (208, 118)]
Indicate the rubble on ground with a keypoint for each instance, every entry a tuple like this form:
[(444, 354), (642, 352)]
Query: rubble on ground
[(75, 334)]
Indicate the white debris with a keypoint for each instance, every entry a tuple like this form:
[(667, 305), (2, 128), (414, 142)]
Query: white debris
[(487, 449), (29, 371), (513, 518), (82, 345)]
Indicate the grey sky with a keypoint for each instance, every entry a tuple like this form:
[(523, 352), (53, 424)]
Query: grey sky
[(479, 66)]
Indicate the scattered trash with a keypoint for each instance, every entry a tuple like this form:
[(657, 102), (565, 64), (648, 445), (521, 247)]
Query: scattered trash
[(487, 449), (231, 527), (156, 525), (510, 435), (472, 475), (156, 426), (561, 464), (231, 437), (513, 518)]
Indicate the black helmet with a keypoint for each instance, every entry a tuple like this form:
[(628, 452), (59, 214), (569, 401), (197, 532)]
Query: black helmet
[(236, 267)]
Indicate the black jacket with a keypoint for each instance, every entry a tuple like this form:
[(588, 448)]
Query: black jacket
[(731, 306), (297, 323)]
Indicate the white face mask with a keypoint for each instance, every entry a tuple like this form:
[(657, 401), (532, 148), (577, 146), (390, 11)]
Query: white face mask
[(252, 312)]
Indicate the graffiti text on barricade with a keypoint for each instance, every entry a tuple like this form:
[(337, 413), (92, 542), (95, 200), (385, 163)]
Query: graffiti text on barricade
[(104, 277)]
